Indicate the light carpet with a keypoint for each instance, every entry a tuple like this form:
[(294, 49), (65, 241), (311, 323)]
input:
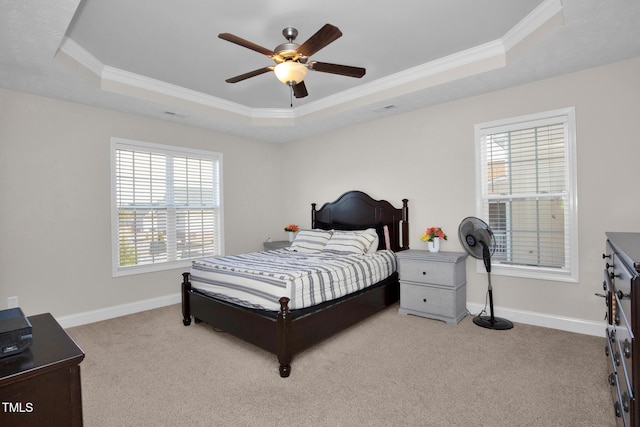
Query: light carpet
[(147, 369)]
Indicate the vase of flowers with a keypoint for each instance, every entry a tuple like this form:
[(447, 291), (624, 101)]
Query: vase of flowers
[(432, 236), (292, 229)]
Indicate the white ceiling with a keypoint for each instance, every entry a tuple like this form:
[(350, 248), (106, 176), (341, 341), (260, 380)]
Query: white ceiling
[(163, 59)]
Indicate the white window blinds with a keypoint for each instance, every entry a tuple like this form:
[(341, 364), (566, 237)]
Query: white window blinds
[(166, 205), (527, 193)]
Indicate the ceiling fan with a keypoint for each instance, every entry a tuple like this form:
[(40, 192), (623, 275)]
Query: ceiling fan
[(292, 59)]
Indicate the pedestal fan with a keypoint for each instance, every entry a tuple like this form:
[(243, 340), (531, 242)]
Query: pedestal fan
[(477, 239)]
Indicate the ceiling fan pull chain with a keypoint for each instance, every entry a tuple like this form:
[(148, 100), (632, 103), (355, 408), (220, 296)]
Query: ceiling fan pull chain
[(291, 94)]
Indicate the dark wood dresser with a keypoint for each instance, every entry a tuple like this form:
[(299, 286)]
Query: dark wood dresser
[(41, 385), (622, 291)]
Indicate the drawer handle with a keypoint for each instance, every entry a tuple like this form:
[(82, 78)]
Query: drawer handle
[(626, 348), (424, 273), (622, 295), (625, 401), (424, 300), (616, 408)]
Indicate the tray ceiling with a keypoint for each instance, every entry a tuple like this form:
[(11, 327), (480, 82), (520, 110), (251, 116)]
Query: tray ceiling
[(163, 58)]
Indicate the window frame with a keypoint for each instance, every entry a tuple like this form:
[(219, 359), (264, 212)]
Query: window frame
[(167, 150), (567, 116)]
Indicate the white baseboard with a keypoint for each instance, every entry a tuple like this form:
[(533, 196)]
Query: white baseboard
[(117, 311), (568, 324), (519, 316)]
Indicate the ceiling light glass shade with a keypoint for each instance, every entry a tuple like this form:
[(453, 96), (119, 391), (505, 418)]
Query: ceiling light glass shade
[(290, 71)]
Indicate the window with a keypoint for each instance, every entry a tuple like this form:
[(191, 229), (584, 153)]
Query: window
[(166, 206), (526, 192)]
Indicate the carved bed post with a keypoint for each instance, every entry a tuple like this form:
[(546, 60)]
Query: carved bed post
[(313, 215), (282, 338), (405, 224), (186, 306)]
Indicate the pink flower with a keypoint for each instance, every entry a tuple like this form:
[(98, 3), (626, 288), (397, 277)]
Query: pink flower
[(431, 233)]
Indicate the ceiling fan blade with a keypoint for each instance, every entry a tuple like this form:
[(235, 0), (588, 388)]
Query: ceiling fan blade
[(245, 43), (300, 90), (245, 76), (343, 70), (322, 38)]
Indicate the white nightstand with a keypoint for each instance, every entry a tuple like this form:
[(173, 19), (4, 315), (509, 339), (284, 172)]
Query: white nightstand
[(433, 285), (278, 244)]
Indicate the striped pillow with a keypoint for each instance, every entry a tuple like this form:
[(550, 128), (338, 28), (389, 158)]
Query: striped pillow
[(344, 243), (310, 241)]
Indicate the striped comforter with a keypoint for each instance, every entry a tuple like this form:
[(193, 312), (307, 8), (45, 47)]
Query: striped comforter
[(260, 279)]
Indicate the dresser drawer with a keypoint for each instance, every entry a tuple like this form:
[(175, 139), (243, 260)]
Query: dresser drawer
[(621, 282), (427, 299), (623, 369), (622, 275), (622, 348), (614, 383), (613, 379), (441, 303), (432, 272)]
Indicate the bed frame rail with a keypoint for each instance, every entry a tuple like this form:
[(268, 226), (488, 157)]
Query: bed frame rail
[(283, 334)]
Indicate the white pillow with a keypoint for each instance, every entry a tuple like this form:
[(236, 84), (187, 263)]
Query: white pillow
[(310, 241), (348, 242), (371, 231), (376, 240)]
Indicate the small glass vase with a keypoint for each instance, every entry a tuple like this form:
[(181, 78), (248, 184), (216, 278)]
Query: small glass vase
[(435, 245)]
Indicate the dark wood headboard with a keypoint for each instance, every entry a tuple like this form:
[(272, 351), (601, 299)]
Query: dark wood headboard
[(355, 208)]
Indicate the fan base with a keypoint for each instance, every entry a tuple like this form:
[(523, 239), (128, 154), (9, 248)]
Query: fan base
[(493, 323)]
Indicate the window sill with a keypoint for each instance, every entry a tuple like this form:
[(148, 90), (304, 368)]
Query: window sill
[(536, 273), (150, 268)]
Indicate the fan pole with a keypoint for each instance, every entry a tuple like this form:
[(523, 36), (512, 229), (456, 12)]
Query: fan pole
[(490, 322)]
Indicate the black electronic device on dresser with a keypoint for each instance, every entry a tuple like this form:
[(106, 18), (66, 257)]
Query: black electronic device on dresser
[(15, 332), (622, 292)]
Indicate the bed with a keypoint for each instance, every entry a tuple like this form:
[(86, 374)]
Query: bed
[(285, 331)]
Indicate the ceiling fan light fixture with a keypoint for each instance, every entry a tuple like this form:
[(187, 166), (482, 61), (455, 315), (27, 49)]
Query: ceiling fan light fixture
[(290, 72), (292, 59)]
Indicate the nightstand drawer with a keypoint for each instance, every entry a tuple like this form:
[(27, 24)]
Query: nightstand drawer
[(425, 299), (432, 272)]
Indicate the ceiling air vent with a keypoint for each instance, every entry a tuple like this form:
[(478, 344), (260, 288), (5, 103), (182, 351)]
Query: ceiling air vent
[(385, 108)]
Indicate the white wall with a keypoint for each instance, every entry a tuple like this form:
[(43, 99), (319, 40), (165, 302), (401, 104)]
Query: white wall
[(427, 156), (55, 222), (55, 242)]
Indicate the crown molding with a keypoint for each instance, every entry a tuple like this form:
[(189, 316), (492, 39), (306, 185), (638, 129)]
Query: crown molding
[(472, 61), (81, 56), (411, 76), (107, 74), (538, 18), (496, 50), (116, 75)]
